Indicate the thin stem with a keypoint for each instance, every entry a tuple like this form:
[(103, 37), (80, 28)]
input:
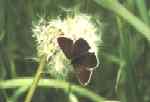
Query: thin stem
[(7, 84), (5, 95), (142, 10), (18, 93), (12, 67), (36, 80), (120, 10), (130, 4)]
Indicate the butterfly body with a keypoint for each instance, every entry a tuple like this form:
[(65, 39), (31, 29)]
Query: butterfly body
[(82, 60)]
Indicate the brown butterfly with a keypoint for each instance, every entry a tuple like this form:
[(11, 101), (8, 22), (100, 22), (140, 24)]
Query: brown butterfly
[(82, 60)]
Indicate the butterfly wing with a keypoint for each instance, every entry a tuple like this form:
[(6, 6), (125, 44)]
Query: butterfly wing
[(79, 47), (84, 67), (88, 60), (83, 75), (66, 45)]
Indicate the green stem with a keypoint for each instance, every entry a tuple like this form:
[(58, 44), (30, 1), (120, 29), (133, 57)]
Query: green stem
[(36, 80), (120, 10), (5, 95), (127, 87), (12, 68), (142, 10), (130, 4), (17, 93), (7, 84)]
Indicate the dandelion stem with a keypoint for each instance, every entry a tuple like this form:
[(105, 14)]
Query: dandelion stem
[(35, 81)]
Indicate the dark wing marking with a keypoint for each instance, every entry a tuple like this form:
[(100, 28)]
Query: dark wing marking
[(88, 60), (79, 47), (66, 45)]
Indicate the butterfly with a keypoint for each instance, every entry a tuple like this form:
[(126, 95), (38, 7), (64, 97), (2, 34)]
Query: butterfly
[(82, 60)]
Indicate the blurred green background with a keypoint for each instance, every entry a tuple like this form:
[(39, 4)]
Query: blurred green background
[(124, 71)]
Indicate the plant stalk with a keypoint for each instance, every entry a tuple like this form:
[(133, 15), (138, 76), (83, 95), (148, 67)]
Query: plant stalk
[(35, 81)]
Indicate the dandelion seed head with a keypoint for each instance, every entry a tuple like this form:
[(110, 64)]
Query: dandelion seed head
[(47, 32)]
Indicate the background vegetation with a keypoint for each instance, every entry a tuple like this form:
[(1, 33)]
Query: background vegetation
[(124, 70)]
